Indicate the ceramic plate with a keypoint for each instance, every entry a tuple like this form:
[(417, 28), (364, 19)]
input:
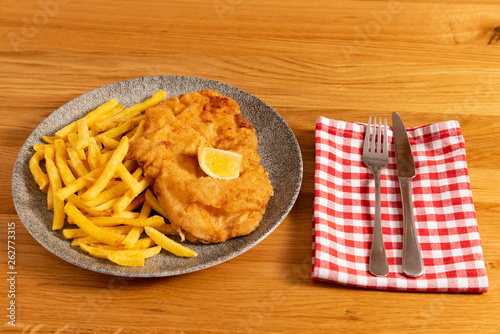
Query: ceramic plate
[(278, 149)]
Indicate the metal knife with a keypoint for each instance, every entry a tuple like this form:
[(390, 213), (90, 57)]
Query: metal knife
[(413, 265)]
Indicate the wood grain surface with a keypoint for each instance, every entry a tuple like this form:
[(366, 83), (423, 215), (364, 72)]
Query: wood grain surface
[(428, 60)]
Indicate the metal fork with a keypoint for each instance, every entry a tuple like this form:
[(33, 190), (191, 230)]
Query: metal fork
[(376, 158)]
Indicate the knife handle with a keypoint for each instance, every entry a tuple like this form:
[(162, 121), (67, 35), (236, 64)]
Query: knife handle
[(413, 265)]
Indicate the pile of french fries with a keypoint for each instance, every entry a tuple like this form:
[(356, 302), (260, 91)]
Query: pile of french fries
[(101, 200)]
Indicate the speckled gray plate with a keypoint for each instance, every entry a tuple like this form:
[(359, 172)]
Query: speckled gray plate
[(278, 148)]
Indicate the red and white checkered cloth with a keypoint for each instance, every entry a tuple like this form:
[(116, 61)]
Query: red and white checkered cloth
[(442, 202)]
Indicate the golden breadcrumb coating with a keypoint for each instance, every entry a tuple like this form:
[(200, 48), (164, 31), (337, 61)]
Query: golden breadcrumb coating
[(211, 210)]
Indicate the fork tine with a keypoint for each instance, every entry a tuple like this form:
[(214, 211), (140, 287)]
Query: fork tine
[(373, 139), (367, 135), (379, 135), (373, 130), (385, 136)]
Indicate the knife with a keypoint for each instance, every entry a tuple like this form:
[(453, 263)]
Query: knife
[(413, 265)]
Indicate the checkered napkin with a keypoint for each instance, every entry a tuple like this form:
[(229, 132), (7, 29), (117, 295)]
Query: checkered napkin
[(444, 212)]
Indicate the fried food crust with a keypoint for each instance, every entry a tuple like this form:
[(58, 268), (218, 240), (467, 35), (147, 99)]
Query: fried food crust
[(209, 209)]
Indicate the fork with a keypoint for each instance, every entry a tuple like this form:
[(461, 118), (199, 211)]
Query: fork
[(375, 157)]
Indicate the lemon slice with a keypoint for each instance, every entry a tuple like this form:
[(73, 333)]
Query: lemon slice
[(219, 164)]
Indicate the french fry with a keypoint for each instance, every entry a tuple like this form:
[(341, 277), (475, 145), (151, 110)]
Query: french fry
[(90, 118), (85, 207), (100, 234), (113, 221), (109, 143), (66, 174), (78, 184), (83, 134), (103, 253), (120, 129), (119, 229), (132, 111), (72, 188), (112, 183), (93, 153), (95, 251), (168, 244), (55, 181), (125, 175), (127, 260), (128, 197), (116, 121), (39, 147), (147, 252), (73, 140), (113, 192), (108, 172), (135, 233), (95, 126), (143, 243), (38, 175), (145, 210), (76, 163), (133, 257), (71, 233), (126, 214), (107, 205), (87, 240), (139, 130), (152, 101), (49, 139), (153, 202), (99, 159), (132, 237), (136, 203), (140, 244)]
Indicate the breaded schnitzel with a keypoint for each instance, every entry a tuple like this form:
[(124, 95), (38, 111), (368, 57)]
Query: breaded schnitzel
[(211, 210)]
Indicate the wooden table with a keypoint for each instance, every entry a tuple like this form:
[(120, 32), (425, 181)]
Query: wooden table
[(429, 61)]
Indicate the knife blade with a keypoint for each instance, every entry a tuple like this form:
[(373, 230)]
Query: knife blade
[(413, 265)]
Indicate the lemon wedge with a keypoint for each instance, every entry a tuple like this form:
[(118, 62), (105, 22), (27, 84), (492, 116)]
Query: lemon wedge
[(219, 164)]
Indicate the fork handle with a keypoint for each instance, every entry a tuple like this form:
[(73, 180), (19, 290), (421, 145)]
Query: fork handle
[(378, 259), (413, 265)]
